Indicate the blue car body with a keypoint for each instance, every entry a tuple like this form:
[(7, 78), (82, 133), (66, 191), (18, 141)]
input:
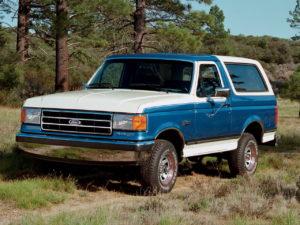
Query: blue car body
[(193, 123)]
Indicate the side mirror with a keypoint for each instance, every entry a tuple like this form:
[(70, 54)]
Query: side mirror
[(84, 84), (222, 92)]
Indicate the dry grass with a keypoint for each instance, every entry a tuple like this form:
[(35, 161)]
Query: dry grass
[(268, 198), (289, 125), (35, 193), (242, 202), (24, 193), (9, 125)]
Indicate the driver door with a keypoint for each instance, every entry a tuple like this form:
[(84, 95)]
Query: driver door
[(213, 114)]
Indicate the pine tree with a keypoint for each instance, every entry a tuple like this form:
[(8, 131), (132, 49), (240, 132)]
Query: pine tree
[(184, 35), (293, 87), (295, 20), (216, 35), (23, 29), (139, 25), (63, 23), (23, 26), (6, 7), (49, 21), (62, 55), (150, 15)]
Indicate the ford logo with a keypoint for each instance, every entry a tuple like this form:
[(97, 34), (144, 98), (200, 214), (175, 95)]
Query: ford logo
[(74, 122)]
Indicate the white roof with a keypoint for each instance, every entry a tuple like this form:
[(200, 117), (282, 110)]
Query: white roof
[(236, 59)]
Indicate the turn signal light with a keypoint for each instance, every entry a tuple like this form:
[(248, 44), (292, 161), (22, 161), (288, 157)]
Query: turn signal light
[(23, 114), (139, 122)]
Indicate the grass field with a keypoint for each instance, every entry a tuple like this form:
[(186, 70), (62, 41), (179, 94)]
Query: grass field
[(203, 194)]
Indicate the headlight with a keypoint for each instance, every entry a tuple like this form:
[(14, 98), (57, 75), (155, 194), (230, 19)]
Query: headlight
[(129, 122), (30, 115)]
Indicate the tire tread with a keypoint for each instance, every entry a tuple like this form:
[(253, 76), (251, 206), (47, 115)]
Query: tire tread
[(235, 160), (148, 169)]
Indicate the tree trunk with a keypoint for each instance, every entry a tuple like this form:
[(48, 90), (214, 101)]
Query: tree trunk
[(139, 26), (62, 55), (23, 29)]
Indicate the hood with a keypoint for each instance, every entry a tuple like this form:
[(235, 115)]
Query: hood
[(107, 100)]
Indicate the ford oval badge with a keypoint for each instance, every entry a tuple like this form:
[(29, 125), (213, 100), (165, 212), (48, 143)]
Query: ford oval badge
[(74, 122)]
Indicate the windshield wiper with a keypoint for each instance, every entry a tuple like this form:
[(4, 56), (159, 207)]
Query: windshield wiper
[(101, 85), (146, 86)]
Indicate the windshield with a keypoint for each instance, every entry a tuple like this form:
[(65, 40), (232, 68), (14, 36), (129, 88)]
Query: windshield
[(144, 74)]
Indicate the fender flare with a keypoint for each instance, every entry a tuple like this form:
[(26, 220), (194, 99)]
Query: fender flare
[(171, 128), (252, 122)]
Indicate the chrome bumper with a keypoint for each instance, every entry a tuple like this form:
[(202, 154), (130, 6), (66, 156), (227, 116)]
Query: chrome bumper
[(72, 150)]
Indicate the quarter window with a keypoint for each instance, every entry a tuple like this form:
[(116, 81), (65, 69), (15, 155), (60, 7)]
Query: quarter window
[(209, 80), (246, 78)]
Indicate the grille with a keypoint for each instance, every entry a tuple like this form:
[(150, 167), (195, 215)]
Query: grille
[(76, 122)]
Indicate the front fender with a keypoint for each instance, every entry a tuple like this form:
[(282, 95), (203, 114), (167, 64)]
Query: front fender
[(168, 126), (182, 121)]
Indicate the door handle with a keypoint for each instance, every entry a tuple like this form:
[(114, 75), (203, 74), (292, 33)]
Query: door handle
[(216, 112)]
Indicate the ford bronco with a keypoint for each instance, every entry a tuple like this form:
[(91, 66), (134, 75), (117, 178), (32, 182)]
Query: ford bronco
[(153, 110)]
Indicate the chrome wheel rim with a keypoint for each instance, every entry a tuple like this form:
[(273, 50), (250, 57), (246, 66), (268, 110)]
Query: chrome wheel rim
[(250, 155), (166, 168)]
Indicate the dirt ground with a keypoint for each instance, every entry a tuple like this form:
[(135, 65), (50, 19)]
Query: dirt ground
[(110, 187)]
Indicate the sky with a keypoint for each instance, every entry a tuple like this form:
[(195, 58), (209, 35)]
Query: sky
[(251, 17), (256, 17)]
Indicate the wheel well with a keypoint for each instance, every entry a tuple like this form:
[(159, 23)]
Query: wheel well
[(175, 137), (256, 130)]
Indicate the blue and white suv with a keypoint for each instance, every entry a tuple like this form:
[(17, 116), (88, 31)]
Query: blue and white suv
[(152, 110)]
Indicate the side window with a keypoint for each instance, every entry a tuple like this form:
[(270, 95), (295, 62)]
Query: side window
[(209, 80), (246, 78), (112, 74)]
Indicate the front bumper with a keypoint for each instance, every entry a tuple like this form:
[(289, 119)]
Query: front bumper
[(84, 150)]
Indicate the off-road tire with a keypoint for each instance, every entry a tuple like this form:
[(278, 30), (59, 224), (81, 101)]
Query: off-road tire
[(159, 172), (243, 160)]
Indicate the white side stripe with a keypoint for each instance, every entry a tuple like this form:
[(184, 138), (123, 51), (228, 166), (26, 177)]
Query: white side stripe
[(210, 147), (268, 137), (218, 146)]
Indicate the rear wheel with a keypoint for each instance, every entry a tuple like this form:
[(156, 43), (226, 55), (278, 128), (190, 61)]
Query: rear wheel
[(243, 160), (159, 173)]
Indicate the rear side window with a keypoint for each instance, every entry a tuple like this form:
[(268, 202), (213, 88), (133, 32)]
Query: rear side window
[(246, 78)]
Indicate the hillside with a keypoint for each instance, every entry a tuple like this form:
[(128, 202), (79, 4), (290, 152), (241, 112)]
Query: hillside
[(19, 80), (278, 56)]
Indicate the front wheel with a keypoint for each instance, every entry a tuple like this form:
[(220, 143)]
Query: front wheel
[(159, 172), (243, 160)]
